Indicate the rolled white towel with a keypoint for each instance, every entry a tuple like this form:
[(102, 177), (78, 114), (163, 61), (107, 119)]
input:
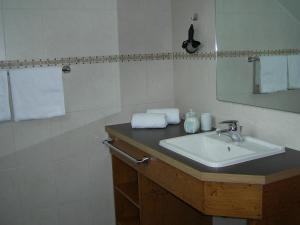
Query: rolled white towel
[(173, 116), (149, 120)]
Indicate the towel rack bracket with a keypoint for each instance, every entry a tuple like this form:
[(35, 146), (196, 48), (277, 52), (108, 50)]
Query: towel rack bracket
[(66, 69)]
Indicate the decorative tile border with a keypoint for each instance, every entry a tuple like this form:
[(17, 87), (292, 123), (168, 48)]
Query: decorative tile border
[(257, 53), (15, 64)]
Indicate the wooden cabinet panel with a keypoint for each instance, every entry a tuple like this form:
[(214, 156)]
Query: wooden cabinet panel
[(281, 204), (159, 207), (233, 200), (139, 200), (126, 213), (184, 186)]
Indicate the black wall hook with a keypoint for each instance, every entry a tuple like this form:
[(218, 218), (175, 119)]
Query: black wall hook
[(191, 46)]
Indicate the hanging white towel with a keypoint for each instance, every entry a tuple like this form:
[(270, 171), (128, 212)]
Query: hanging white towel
[(294, 71), (5, 113), (273, 74), (37, 93)]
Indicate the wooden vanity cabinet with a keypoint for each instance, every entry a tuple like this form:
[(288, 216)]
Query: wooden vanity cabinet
[(141, 201), (138, 200), (156, 193)]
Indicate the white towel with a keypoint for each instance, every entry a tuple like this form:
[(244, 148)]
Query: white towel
[(273, 74), (37, 93), (294, 71), (173, 115), (4, 97), (149, 120)]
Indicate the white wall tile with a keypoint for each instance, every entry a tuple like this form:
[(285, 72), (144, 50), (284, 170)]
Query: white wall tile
[(45, 216), (93, 86), (131, 30), (133, 83), (129, 6), (38, 194), (22, 4), (22, 41), (100, 5), (145, 26), (158, 32), (2, 36), (6, 139), (103, 204), (72, 179), (157, 5), (74, 213), (40, 130), (160, 80), (8, 162), (97, 34), (10, 205)]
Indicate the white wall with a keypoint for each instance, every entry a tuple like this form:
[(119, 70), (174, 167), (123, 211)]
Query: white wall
[(57, 23), (145, 27), (195, 85), (2, 42), (54, 171)]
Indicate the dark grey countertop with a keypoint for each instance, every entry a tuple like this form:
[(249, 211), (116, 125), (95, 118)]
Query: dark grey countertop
[(290, 160)]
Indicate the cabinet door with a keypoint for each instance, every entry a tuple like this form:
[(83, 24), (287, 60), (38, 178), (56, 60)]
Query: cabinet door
[(160, 207)]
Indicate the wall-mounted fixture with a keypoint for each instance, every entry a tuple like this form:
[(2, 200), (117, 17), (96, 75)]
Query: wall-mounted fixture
[(191, 46), (66, 69)]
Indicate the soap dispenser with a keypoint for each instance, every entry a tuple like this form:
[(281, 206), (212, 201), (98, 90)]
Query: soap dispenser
[(191, 123)]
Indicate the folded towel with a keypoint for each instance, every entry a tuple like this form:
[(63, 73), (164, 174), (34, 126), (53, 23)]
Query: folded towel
[(149, 120), (37, 93), (4, 97), (294, 71), (173, 116), (273, 74)]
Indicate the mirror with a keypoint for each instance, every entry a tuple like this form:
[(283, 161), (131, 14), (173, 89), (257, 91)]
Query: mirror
[(259, 53)]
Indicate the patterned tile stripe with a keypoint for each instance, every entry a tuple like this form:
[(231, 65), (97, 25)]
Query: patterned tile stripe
[(14, 64)]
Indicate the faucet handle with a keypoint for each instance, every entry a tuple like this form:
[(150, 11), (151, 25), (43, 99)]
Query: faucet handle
[(233, 124)]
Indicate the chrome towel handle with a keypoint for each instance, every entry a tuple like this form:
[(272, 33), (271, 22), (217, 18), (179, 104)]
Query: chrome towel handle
[(144, 160)]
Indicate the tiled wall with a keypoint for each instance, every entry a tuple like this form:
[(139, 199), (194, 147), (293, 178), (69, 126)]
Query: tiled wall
[(54, 171), (195, 86), (57, 24), (2, 44), (145, 27)]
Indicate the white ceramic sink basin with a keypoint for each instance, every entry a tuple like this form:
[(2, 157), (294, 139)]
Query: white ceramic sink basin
[(213, 150)]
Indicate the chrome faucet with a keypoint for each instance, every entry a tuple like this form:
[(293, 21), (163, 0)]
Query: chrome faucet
[(234, 131)]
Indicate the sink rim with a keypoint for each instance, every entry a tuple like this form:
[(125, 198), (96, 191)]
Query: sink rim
[(228, 162)]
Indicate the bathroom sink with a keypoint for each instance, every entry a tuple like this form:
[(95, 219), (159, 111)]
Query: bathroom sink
[(213, 150)]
